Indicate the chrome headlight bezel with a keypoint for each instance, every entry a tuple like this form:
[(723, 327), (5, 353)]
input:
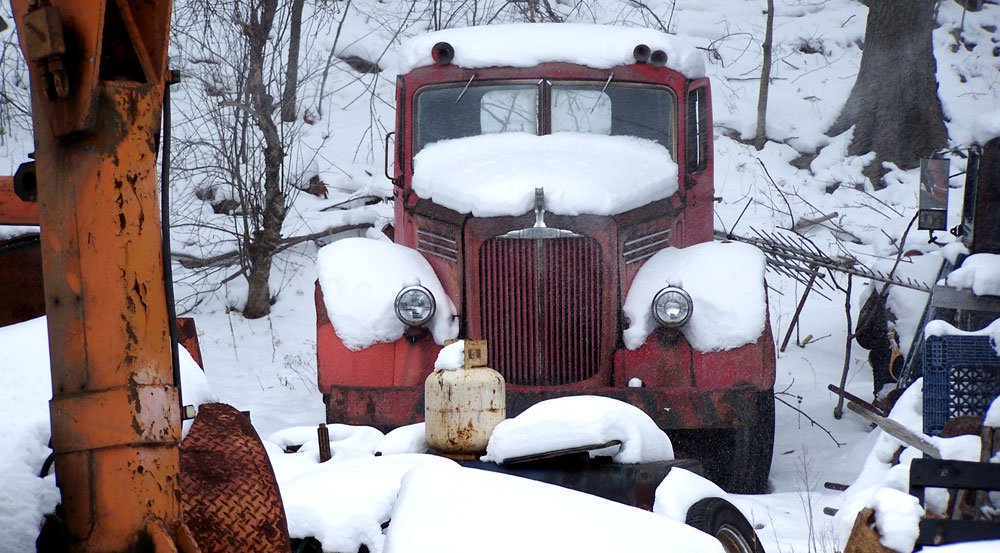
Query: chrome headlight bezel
[(678, 296), (406, 314)]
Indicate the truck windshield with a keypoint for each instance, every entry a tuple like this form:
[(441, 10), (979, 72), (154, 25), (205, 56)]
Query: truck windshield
[(456, 111)]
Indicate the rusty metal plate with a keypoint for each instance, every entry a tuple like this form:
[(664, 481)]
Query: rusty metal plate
[(228, 491)]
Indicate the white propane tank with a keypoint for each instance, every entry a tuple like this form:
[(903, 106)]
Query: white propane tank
[(462, 407)]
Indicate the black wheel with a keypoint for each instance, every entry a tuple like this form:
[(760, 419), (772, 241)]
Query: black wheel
[(720, 518), (738, 460)]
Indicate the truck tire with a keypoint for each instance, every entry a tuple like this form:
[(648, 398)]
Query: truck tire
[(720, 518), (747, 452), (738, 460)]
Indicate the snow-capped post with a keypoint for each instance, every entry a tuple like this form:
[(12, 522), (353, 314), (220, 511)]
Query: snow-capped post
[(464, 400)]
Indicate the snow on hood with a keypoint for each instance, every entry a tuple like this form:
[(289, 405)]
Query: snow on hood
[(528, 44), (578, 421), (453, 509), (496, 174), (726, 283), (360, 278)]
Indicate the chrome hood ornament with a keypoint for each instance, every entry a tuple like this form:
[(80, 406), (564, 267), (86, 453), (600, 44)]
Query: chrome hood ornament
[(540, 230)]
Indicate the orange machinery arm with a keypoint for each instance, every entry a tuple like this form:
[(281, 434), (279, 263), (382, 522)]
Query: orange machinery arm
[(97, 82)]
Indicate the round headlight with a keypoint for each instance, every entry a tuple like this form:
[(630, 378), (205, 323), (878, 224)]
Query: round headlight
[(672, 307), (415, 305)]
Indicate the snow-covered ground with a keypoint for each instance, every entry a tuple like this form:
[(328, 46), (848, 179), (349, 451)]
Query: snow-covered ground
[(267, 366)]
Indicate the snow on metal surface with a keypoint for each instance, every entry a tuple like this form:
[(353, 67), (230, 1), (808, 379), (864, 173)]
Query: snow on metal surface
[(360, 278), (495, 175), (726, 283), (527, 44)]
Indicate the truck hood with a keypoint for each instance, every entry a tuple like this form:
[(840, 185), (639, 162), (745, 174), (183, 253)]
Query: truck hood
[(497, 174)]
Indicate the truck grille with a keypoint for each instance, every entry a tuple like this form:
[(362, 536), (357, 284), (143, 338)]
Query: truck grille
[(540, 305)]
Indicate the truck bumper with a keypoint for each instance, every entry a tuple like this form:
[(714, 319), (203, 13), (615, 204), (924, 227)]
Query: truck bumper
[(387, 407)]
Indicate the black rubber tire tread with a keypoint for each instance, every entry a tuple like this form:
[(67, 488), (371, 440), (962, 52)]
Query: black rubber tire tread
[(742, 457), (712, 514)]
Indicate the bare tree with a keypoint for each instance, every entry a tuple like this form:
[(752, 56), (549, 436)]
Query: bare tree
[(292, 67), (234, 151), (765, 79), (894, 107)]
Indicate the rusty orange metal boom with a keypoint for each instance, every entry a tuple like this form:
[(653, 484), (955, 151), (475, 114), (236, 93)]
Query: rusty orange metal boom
[(97, 80)]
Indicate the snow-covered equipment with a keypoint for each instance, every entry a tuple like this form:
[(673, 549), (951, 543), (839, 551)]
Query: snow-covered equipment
[(555, 183), (464, 400)]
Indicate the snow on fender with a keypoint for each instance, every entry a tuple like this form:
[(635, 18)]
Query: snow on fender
[(360, 278), (726, 284)]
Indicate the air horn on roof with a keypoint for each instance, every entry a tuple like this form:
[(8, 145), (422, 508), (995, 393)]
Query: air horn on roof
[(642, 54), (443, 53)]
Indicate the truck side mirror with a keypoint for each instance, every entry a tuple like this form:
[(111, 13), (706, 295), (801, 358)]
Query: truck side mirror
[(933, 194)]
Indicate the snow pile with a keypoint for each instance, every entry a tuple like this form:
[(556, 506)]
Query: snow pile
[(25, 391), (361, 277), (405, 439), (992, 417), (527, 44), (897, 517), (888, 468), (8, 232), (344, 504), (577, 421), (980, 272), (726, 283), (445, 510), (942, 328), (496, 174), (680, 490), (363, 438), (451, 357)]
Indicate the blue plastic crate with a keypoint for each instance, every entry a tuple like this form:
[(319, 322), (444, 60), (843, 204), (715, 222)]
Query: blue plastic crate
[(961, 377)]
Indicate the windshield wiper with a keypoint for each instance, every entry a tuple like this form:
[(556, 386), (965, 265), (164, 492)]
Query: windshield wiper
[(460, 94), (598, 99)]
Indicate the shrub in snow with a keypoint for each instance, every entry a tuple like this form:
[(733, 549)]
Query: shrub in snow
[(360, 278), (578, 421), (726, 283)]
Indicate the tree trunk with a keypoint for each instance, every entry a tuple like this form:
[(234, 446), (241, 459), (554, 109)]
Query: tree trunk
[(765, 80), (265, 240), (292, 68), (894, 106)]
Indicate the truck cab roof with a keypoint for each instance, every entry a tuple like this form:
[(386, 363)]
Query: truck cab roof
[(530, 44)]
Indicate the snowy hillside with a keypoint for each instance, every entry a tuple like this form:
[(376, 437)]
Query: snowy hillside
[(802, 178)]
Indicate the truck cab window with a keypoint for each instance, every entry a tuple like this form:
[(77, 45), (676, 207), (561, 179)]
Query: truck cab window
[(697, 135), (509, 110), (581, 110), (457, 111), (615, 109)]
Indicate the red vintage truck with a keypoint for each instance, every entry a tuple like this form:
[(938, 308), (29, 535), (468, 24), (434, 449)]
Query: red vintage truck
[(537, 170)]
